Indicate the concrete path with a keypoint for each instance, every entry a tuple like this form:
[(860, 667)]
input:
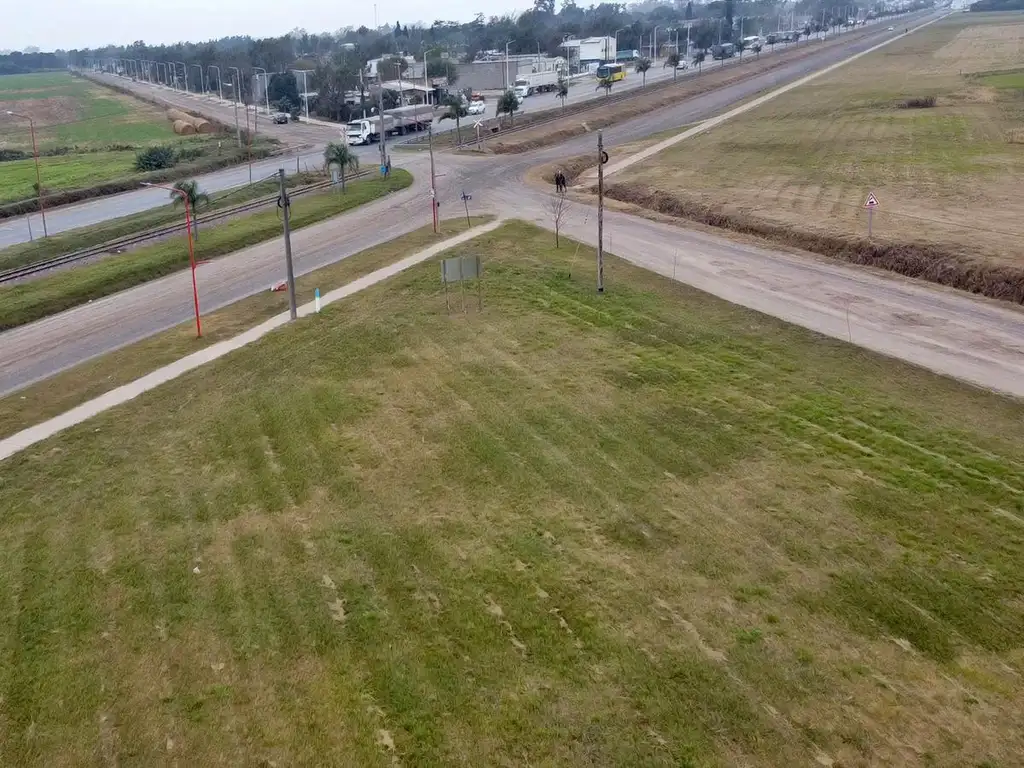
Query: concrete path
[(28, 437)]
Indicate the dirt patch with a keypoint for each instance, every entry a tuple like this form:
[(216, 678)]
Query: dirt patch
[(47, 111), (984, 47), (918, 260)]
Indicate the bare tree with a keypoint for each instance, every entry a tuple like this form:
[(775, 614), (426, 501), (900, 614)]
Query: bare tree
[(558, 206)]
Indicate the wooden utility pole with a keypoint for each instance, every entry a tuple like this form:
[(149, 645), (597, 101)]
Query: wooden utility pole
[(289, 271), (600, 211)]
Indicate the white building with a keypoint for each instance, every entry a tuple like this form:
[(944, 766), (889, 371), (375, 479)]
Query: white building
[(586, 50)]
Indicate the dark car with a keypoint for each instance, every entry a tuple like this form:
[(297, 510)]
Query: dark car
[(281, 117)]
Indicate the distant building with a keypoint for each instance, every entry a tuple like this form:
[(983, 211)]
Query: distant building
[(580, 52), (495, 74)]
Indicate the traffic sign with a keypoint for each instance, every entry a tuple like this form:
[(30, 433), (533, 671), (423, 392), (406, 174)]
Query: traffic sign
[(871, 202), (604, 157)]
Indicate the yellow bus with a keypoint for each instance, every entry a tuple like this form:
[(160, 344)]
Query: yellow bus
[(611, 72)]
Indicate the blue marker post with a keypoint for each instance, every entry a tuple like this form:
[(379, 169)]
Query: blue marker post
[(316, 294)]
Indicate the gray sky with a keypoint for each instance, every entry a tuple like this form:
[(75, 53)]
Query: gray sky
[(52, 24)]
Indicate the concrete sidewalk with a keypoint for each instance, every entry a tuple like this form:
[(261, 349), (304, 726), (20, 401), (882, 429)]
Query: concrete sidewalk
[(28, 437)]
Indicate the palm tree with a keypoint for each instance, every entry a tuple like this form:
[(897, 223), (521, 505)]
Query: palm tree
[(672, 60), (642, 65), (740, 45), (190, 189), (508, 103), (562, 90), (342, 156), (698, 59), (605, 83), (455, 109)]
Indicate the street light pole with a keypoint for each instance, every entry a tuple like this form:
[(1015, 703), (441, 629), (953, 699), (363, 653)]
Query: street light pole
[(220, 85), (169, 67), (184, 73), (201, 85), (237, 86), (305, 91), (506, 63), (191, 252), (35, 154), (266, 86)]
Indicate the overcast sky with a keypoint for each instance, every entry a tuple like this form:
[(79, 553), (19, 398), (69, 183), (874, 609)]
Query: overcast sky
[(52, 24)]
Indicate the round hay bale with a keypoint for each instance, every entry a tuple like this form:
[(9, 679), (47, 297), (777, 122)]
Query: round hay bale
[(174, 115), (203, 126), (184, 128)]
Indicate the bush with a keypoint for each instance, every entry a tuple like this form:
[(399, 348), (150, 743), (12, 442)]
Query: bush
[(155, 159), (921, 102), (191, 153), (13, 154)]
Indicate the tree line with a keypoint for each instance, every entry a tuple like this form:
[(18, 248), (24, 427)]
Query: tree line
[(335, 62)]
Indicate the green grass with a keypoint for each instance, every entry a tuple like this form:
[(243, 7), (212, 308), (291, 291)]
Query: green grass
[(85, 237), (78, 113), (1005, 80), (73, 387), (645, 528), (32, 300)]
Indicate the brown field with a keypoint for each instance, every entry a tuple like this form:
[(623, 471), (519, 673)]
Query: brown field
[(948, 177)]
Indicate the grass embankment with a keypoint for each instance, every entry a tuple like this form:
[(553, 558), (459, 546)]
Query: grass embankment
[(86, 237), (97, 132), (644, 528), (28, 301), (596, 115), (798, 169), (66, 390)]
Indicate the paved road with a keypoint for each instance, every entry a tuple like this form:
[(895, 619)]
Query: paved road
[(312, 137), (950, 332)]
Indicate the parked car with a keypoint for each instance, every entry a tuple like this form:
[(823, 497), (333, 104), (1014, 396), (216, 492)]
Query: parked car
[(683, 64), (281, 117), (477, 108)]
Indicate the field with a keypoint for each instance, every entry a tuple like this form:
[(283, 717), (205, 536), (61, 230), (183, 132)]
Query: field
[(947, 176), (101, 129), (31, 300), (648, 528)]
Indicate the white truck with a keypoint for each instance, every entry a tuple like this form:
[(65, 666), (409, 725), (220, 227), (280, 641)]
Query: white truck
[(368, 130), (415, 117), (527, 85)]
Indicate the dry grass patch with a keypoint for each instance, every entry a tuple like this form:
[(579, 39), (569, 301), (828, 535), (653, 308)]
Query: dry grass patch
[(641, 528), (947, 177)]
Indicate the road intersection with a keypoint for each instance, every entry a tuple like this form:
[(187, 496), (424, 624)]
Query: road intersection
[(950, 332)]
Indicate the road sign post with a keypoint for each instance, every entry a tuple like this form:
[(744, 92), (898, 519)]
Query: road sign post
[(871, 203), (465, 201), (602, 158)]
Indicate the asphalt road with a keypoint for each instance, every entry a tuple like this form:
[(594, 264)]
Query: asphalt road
[(950, 332), (308, 139)]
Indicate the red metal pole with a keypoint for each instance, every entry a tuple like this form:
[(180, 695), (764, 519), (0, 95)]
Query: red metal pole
[(192, 263), (39, 181)]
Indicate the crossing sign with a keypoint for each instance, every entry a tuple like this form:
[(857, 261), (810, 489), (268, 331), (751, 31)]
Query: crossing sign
[(871, 202)]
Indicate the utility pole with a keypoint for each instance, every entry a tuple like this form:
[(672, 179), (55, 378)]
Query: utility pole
[(285, 205), (433, 177), (600, 211), (383, 131)]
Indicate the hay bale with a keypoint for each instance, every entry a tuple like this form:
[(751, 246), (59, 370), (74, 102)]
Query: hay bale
[(184, 128), (174, 115), (203, 126)]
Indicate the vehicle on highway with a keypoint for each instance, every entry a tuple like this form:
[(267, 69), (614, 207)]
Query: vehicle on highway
[(624, 56), (723, 51), (753, 43), (891, 29), (609, 73), (368, 130), (683, 64), (536, 82), (281, 117), (477, 108)]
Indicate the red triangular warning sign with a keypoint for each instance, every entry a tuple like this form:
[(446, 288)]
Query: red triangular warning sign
[(872, 201)]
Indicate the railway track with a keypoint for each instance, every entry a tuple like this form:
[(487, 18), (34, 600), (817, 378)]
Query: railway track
[(114, 246)]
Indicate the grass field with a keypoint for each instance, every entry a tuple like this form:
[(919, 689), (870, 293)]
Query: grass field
[(96, 234), (60, 393), (947, 175), (32, 300), (103, 129), (648, 528)]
